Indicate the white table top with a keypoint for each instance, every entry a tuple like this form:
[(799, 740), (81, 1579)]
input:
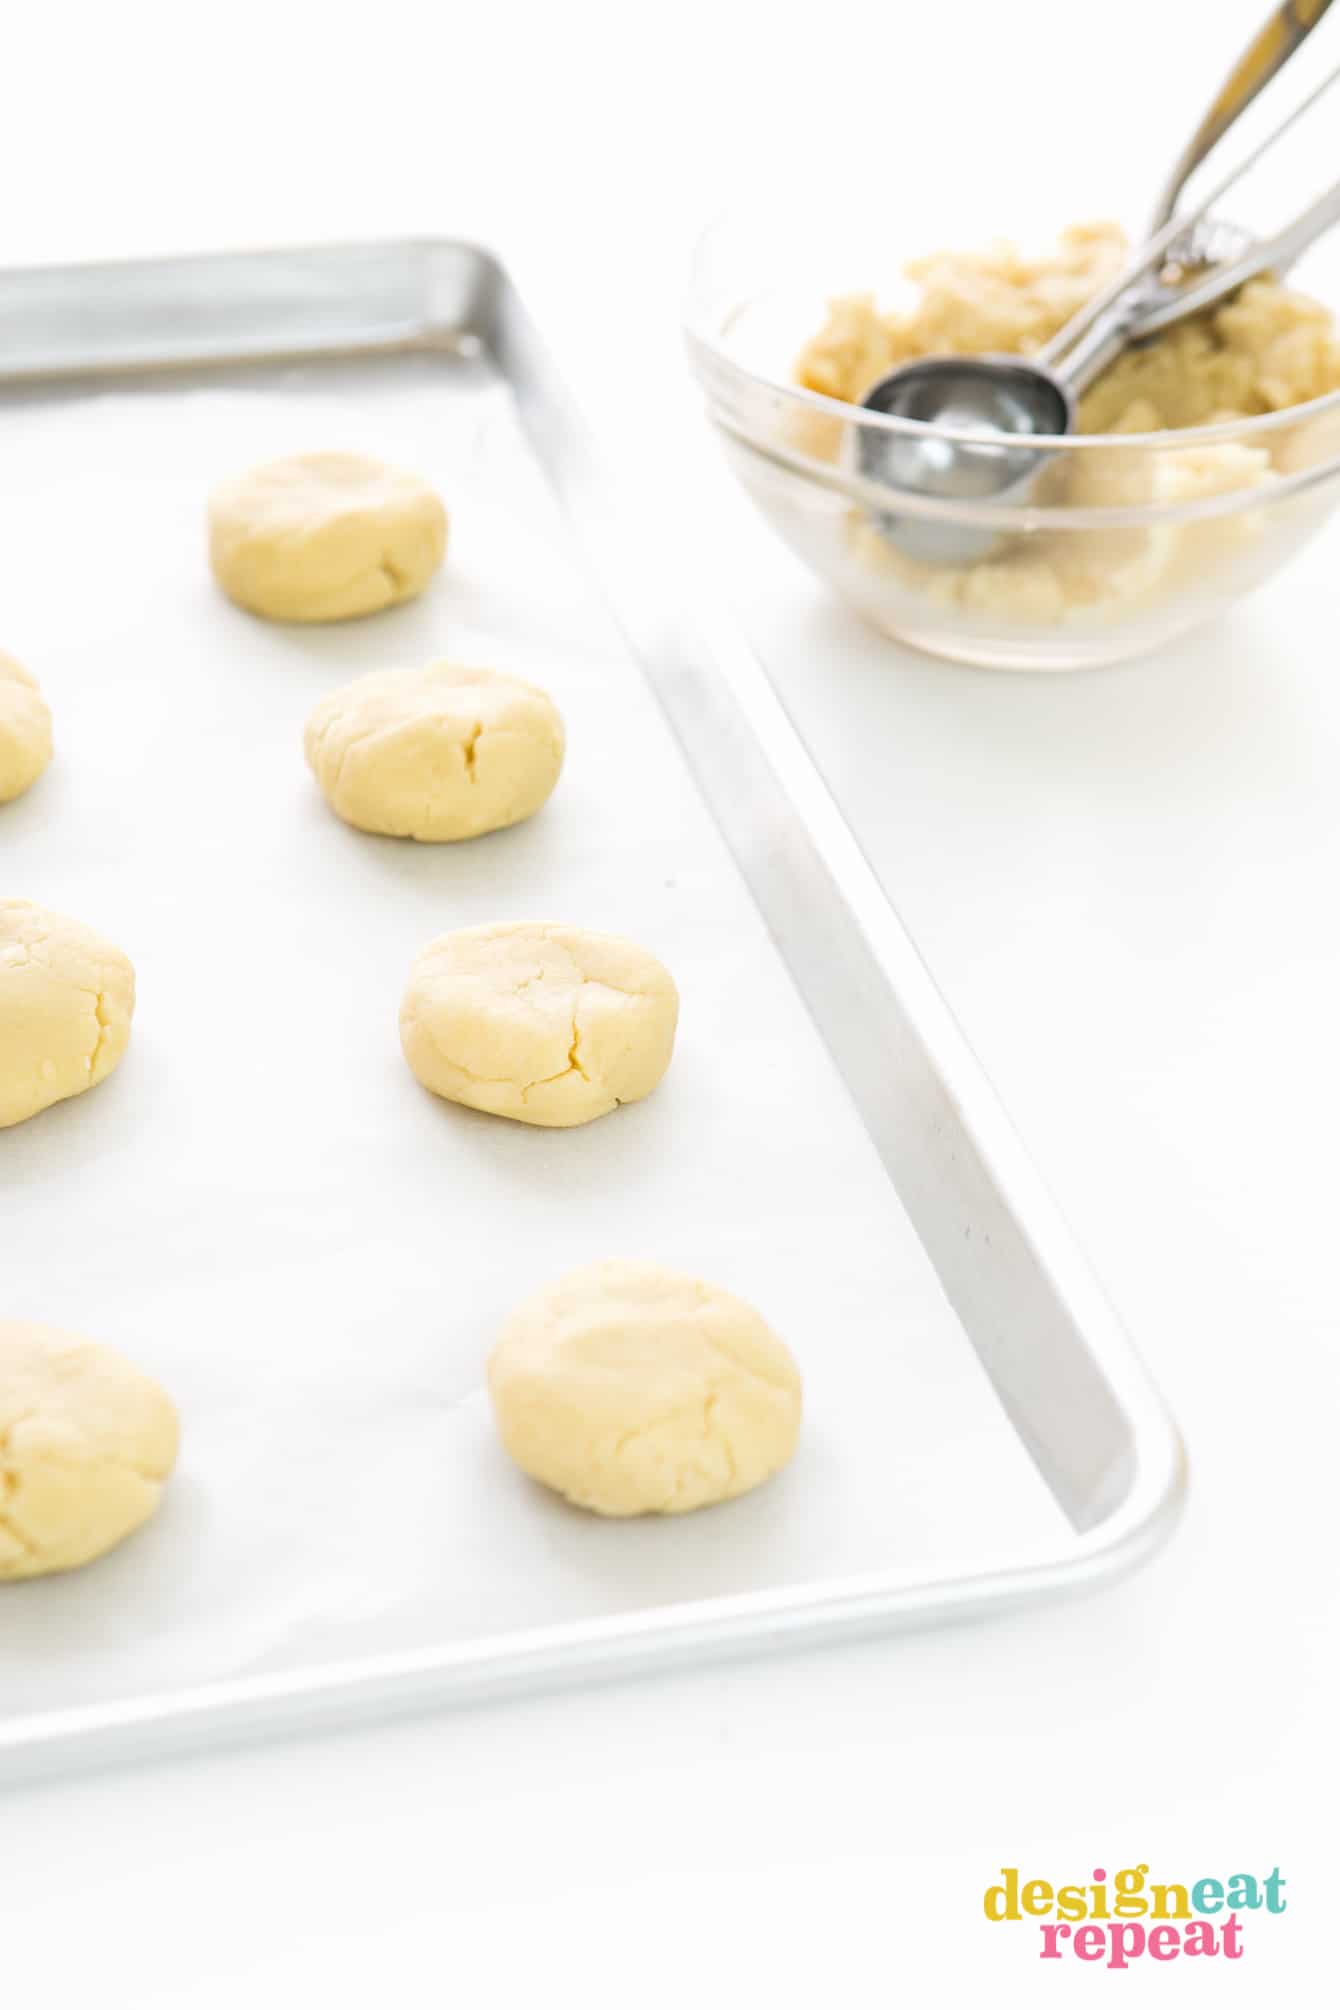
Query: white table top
[(1126, 885)]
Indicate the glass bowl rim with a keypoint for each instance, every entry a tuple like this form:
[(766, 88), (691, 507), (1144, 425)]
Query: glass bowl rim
[(1026, 518)]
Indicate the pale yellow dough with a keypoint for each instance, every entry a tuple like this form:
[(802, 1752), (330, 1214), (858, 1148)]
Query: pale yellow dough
[(86, 1442), (1266, 349), (435, 754), (532, 1020), (66, 1000), (25, 730), (324, 537), (634, 1390)]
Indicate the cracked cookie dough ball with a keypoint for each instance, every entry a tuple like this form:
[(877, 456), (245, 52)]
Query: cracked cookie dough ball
[(634, 1390), (25, 730), (323, 537), (86, 1442), (435, 754), (66, 999), (531, 1020)]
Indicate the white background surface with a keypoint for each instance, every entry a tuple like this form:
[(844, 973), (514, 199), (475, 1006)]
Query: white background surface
[(1126, 885)]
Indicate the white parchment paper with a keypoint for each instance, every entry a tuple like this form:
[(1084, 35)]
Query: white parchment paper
[(265, 1210)]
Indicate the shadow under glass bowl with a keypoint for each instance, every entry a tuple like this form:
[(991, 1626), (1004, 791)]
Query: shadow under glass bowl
[(1125, 541)]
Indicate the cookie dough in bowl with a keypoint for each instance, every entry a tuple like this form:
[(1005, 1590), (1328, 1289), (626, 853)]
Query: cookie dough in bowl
[(1202, 459), (86, 1442), (25, 730), (324, 537), (66, 1000), (436, 754), (537, 1021), (1116, 531), (633, 1390)]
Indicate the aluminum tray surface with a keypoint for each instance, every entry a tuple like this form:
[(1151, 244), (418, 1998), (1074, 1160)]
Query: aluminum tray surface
[(265, 1210)]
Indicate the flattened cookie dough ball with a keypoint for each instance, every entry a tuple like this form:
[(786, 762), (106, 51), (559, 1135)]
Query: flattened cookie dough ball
[(25, 730), (86, 1442), (531, 1020), (66, 1000), (435, 754), (634, 1390), (323, 537)]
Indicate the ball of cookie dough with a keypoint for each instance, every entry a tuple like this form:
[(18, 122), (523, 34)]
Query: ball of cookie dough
[(531, 1020), (322, 537), (25, 730), (435, 754), (633, 1390), (66, 1000), (86, 1442)]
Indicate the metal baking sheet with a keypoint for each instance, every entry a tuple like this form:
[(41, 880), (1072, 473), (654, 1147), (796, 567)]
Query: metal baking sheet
[(264, 1209)]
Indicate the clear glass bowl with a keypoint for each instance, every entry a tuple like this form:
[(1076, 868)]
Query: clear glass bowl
[(1125, 541)]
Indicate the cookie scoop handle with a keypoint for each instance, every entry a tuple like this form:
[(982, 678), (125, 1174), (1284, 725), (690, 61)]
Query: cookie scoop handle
[(1265, 56), (1133, 306), (1273, 254)]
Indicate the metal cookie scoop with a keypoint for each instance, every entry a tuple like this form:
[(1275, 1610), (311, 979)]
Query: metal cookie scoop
[(1000, 403)]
